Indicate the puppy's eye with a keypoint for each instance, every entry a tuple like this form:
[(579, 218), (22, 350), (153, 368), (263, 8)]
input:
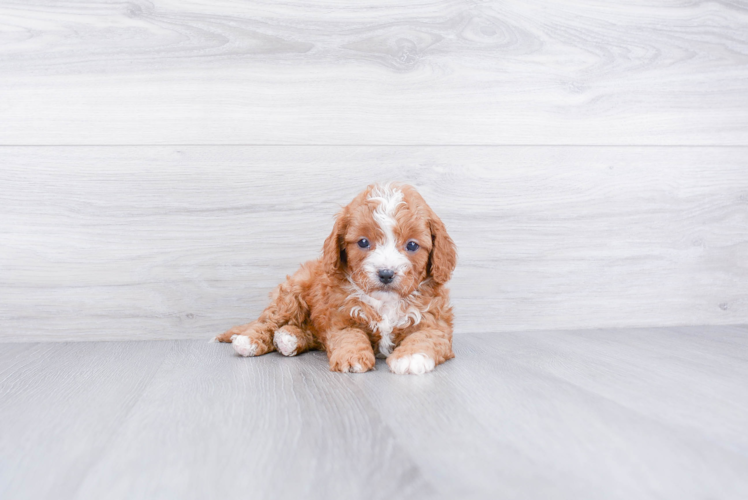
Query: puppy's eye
[(412, 246), (363, 243)]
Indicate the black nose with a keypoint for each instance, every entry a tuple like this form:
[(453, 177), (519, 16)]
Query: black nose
[(386, 275)]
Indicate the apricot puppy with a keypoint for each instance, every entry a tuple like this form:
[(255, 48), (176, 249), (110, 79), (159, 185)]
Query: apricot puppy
[(378, 289)]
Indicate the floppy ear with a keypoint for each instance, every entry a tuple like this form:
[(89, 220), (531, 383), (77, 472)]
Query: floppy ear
[(443, 257), (333, 251)]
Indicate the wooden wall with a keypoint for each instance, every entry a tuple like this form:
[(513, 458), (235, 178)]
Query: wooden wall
[(164, 164)]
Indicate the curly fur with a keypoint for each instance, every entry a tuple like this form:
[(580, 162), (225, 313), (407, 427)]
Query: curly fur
[(337, 302)]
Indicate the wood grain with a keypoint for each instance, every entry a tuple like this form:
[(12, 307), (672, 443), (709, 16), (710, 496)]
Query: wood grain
[(60, 406), (587, 437), (643, 365), (393, 72), (609, 413), (216, 426), (164, 242)]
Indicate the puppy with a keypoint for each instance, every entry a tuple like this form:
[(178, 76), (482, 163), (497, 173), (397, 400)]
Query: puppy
[(378, 289)]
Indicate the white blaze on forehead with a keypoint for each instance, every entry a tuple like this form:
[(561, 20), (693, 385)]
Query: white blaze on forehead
[(389, 199), (386, 255)]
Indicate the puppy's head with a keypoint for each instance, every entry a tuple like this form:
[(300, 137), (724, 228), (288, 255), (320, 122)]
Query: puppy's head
[(389, 240)]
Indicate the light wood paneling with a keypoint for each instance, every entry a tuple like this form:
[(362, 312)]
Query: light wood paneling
[(392, 72), (180, 242), (620, 414)]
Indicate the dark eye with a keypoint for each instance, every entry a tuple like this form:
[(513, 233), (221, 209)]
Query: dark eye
[(412, 246), (363, 243)]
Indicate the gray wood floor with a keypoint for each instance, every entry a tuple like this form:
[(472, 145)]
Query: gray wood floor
[(647, 413)]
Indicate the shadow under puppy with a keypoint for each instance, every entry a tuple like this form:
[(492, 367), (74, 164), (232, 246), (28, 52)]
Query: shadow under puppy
[(378, 288)]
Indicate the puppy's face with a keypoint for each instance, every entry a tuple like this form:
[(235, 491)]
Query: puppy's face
[(389, 240)]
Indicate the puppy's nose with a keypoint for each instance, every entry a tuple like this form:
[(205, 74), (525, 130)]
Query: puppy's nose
[(386, 275)]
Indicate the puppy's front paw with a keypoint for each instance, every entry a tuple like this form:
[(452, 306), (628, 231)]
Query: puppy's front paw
[(243, 345), (414, 364), (358, 362)]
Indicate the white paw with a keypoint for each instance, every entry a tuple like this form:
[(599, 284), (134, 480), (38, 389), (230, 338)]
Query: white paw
[(243, 346), (285, 342), (416, 364), (357, 368)]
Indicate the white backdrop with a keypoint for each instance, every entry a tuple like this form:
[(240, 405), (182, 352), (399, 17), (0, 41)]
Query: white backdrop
[(164, 165)]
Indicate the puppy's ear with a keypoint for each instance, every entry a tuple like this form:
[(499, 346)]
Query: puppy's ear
[(443, 257), (333, 251)]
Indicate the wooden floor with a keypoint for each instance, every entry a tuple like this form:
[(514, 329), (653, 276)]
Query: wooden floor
[(629, 413)]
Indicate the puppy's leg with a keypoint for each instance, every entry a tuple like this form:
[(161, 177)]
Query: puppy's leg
[(256, 338), (252, 339), (421, 351), (349, 350), (291, 340), (234, 331)]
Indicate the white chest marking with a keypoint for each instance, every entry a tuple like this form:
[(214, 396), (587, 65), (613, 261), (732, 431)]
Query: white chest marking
[(393, 312)]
